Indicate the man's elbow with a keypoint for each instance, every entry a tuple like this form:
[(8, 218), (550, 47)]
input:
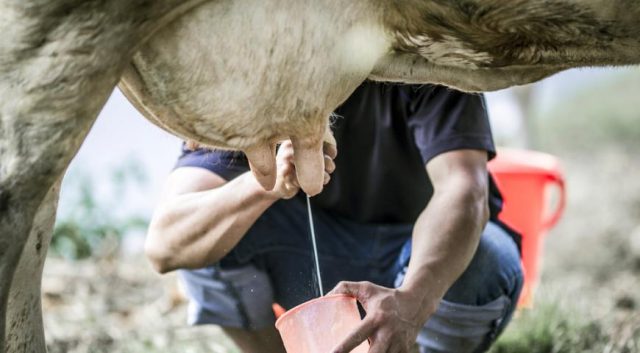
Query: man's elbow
[(486, 212), (477, 198), (481, 202), (165, 258), (159, 256), (159, 249)]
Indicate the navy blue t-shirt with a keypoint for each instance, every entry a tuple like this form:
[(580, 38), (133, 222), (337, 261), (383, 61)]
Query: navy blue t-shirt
[(386, 133)]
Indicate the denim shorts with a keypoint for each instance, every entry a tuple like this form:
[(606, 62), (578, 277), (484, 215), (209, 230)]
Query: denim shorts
[(274, 263)]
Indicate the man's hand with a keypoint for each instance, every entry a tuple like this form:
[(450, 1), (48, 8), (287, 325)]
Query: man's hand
[(393, 321), (309, 156), (287, 185)]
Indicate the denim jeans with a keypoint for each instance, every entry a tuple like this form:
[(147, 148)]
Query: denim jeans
[(274, 263)]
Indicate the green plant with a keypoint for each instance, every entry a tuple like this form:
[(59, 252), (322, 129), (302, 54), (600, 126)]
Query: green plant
[(91, 225), (551, 327)]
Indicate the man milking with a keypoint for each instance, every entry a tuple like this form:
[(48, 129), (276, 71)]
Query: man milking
[(407, 224)]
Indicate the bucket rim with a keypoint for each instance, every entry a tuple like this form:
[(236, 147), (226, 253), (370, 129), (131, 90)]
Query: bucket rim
[(307, 303)]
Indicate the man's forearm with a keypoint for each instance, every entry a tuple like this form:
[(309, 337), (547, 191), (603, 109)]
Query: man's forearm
[(445, 238), (197, 229)]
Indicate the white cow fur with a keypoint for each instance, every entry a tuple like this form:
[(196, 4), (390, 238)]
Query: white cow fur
[(244, 74)]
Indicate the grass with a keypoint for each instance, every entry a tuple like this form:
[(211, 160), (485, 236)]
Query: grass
[(551, 328), (557, 327)]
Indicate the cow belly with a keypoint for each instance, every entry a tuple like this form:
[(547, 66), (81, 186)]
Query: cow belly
[(237, 73)]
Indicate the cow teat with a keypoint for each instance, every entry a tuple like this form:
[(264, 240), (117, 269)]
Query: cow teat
[(309, 160), (262, 161)]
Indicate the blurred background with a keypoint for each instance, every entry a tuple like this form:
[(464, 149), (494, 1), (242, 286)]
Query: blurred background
[(100, 295)]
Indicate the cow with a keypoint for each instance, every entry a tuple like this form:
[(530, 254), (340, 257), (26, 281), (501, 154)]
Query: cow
[(245, 74)]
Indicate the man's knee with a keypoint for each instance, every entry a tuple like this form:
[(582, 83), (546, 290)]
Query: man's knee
[(236, 298), (464, 328), (481, 302), (494, 271)]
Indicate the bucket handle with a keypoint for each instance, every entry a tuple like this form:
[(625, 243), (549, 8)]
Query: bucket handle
[(554, 217)]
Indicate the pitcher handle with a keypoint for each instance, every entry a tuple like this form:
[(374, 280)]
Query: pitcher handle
[(554, 217)]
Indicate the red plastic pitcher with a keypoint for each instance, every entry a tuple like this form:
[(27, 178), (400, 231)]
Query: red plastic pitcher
[(523, 178), (319, 325)]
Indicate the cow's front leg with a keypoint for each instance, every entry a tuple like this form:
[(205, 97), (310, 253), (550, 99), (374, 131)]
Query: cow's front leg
[(59, 61)]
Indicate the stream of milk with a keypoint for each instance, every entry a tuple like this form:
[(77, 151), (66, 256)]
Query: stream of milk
[(315, 247)]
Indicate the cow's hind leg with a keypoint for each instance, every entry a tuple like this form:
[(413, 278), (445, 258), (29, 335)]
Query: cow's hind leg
[(24, 315), (59, 61), (50, 95)]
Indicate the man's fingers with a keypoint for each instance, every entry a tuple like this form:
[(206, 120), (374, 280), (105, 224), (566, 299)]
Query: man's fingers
[(309, 161), (330, 149), (329, 164), (348, 288), (290, 187), (380, 346), (382, 342), (262, 161), (397, 348), (355, 338), (328, 136), (358, 290)]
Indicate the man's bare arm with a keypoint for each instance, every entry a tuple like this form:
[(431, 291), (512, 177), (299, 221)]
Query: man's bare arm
[(445, 238), (201, 217), (447, 232)]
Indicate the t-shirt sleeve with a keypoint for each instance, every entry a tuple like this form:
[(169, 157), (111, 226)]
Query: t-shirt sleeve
[(227, 164), (442, 120)]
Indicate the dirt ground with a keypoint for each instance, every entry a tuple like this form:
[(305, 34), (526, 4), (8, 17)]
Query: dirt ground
[(119, 305)]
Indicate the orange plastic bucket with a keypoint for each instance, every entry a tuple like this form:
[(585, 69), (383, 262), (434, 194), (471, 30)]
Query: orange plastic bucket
[(523, 178), (319, 325)]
